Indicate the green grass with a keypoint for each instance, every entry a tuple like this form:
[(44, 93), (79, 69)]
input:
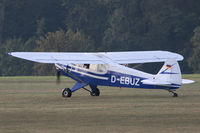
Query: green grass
[(34, 104)]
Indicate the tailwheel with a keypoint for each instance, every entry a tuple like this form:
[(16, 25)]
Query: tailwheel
[(174, 94), (66, 92), (95, 92)]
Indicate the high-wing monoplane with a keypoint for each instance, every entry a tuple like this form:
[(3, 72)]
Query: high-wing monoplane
[(107, 69)]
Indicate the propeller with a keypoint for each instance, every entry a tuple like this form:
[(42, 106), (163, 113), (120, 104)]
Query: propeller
[(58, 77)]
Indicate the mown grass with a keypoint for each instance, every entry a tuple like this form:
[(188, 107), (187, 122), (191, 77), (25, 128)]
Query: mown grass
[(34, 104)]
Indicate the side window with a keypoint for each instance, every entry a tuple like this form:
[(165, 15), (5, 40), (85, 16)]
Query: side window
[(101, 68), (93, 67), (87, 66)]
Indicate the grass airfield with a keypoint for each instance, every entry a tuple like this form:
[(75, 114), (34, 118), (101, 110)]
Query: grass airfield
[(35, 105)]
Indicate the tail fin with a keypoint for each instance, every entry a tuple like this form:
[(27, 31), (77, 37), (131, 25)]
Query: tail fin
[(170, 72)]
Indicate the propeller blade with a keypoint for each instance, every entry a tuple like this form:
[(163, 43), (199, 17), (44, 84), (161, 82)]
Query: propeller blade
[(58, 77)]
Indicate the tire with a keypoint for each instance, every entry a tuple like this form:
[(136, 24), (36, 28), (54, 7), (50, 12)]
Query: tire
[(66, 93), (96, 92), (175, 95)]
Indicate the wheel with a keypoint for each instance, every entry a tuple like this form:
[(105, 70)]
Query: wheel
[(66, 92), (96, 92), (175, 95)]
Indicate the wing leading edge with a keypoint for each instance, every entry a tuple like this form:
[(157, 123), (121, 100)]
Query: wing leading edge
[(58, 57), (98, 58)]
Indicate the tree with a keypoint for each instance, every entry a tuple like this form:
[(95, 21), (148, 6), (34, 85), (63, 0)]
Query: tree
[(2, 6), (41, 27), (61, 41), (117, 35), (194, 60), (87, 16), (99, 25), (12, 66), (22, 17)]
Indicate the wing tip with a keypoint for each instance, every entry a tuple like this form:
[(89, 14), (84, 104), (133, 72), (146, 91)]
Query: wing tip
[(178, 57), (181, 57), (10, 53)]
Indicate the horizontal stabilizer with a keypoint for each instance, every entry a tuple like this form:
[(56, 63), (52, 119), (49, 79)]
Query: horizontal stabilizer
[(187, 81), (155, 82)]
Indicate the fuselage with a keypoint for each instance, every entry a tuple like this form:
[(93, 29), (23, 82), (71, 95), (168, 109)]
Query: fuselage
[(110, 75)]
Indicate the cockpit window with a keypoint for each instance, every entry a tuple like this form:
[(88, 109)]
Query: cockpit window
[(100, 68), (87, 66)]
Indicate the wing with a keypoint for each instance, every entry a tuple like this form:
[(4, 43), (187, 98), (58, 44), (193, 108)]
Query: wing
[(98, 58), (143, 56)]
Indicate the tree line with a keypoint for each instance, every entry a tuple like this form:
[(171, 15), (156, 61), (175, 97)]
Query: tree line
[(97, 25)]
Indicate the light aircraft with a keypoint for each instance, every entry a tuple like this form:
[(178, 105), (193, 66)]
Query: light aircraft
[(107, 69)]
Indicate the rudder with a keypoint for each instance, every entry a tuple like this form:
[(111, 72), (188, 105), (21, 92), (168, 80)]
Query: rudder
[(170, 72)]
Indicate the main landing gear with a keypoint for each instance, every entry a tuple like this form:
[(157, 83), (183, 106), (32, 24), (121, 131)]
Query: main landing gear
[(95, 92), (174, 94), (68, 93)]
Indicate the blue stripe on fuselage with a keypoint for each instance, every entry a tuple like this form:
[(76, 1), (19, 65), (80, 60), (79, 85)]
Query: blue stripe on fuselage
[(114, 79)]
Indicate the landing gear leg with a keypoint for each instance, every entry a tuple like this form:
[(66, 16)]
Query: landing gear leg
[(174, 94), (95, 92)]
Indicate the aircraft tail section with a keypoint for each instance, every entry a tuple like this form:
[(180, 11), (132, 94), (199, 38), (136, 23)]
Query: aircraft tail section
[(170, 72)]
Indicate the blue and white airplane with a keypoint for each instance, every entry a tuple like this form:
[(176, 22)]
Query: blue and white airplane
[(106, 69)]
